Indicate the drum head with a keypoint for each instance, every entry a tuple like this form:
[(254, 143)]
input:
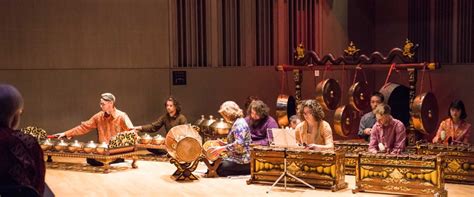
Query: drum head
[(188, 150), (425, 113), (180, 140), (206, 146), (285, 108), (398, 98), (359, 96), (328, 94), (346, 121)]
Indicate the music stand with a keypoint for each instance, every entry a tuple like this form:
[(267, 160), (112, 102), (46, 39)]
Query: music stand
[(285, 138)]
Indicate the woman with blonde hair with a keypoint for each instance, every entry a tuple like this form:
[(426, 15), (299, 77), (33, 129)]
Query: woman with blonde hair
[(313, 132), (238, 142)]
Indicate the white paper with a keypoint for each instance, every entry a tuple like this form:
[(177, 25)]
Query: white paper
[(284, 138)]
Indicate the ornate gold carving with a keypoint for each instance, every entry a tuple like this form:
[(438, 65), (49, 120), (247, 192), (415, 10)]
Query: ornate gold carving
[(396, 174), (396, 188), (351, 49), (408, 49), (123, 139), (300, 51), (36, 132)]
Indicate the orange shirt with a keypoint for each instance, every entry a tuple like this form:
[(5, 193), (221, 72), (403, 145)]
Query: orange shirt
[(459, 134), (107, 126)]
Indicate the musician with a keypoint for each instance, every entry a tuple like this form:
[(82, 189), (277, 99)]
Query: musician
[(294, 121), (388, 134), (259, 122), (454, 129), (21, 160), (313, 132), (368, 120), (238, 142), (172, 118), (108, 122)]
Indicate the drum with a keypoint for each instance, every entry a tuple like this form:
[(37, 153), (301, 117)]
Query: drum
[(398, 98), (209, 144), (359, 96), (328, 94), (425, 113), (183, 143), (285, 108), (346, 120)]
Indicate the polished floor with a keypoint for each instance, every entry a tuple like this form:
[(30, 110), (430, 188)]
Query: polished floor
[(72, 177)]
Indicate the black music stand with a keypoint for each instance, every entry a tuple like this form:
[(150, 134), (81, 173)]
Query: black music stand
[(285, 172)]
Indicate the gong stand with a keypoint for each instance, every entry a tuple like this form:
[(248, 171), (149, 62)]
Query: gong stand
[(184, 170), (310, 61), (212, 167)]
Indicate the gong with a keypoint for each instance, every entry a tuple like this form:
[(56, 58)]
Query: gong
[(328, 94), (359, 96), (398, 98), (425, 113), (285, 108), (346, 120)]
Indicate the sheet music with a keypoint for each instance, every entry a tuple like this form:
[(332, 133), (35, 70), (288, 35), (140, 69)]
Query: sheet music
[(284, 138)]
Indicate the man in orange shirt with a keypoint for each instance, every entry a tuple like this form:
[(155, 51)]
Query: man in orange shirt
[(108, 123)]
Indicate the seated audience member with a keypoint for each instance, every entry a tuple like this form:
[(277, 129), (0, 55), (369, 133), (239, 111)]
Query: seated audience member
[(21, 157)]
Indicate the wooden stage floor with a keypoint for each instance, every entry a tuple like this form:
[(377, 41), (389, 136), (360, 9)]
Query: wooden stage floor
[(152, 178)]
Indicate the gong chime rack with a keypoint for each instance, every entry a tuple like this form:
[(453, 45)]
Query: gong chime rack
[(397, 59)]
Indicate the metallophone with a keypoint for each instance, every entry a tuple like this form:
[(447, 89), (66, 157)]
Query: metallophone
[(352, 148), (459, 161), (402, 174), (322, 169)]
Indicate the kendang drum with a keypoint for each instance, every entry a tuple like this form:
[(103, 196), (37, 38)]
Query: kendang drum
[(359, 96), (398, 98), (328, 94), (206, 147), (425, 113), (285, 108), (346, 120), (183, 143)]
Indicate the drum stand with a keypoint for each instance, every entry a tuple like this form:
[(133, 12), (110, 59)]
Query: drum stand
[(184, 171), (212, 167), (285, 174)]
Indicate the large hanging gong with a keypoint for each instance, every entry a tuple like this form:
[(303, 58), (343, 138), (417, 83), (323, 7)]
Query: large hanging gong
[(346, 120), (328, 94), (359, 96), (398, 98), (285, 108), (425, 113)]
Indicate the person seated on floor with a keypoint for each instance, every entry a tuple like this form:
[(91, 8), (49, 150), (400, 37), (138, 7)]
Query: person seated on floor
[(21, 157), (294, 121), (368, 120), (388, 134), (259, 122), (314, 132), (172, 118), (238, 142), (109, 122), (454, 129)]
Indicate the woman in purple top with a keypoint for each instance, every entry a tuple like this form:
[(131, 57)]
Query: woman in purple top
[(259, 122), (388, 134)]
